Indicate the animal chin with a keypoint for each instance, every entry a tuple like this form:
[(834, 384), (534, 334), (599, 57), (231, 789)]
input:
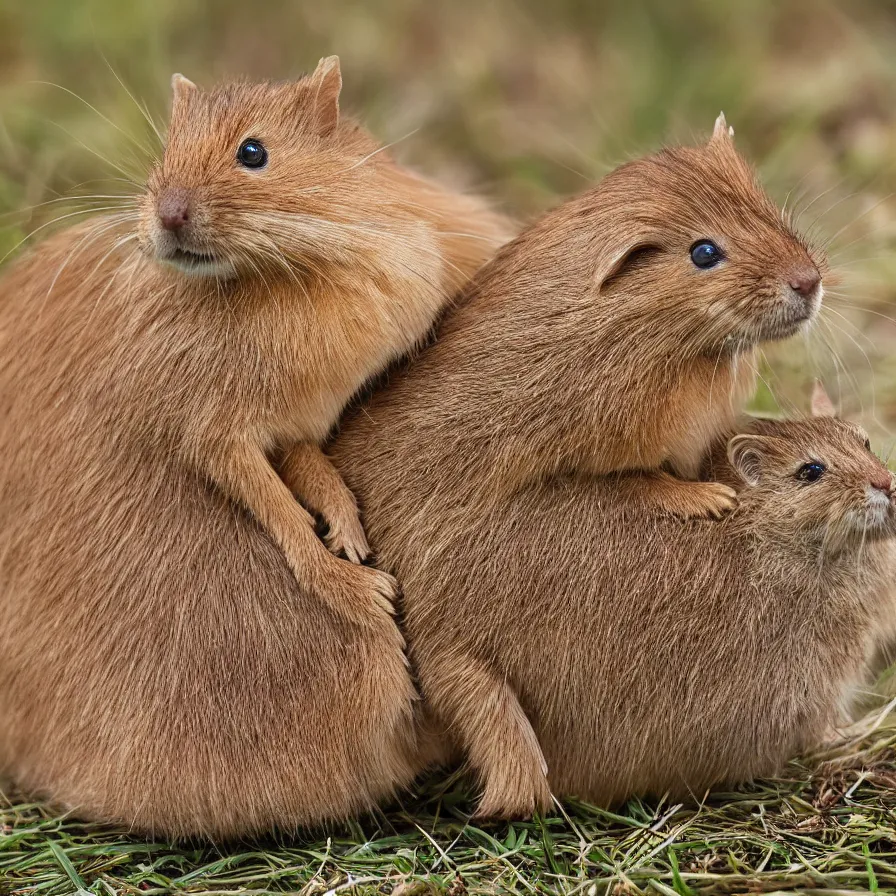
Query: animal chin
[(786, 320), (200, 264), (876, 519)]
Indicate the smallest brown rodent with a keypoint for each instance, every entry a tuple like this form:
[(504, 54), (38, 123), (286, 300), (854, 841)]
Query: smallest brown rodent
[(578, 628)]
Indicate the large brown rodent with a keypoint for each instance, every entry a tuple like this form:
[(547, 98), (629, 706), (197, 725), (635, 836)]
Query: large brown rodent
[(592, 343), (159, 665), (576, 628), (611, 335), (336, 261)]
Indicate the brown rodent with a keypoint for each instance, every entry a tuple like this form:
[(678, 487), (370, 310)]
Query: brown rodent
[(159, 665), (576, 627), (591, 343), (337, 261)]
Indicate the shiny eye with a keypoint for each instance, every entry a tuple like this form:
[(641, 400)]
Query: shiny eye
[(706, 254), (811, 472), (252, 154)]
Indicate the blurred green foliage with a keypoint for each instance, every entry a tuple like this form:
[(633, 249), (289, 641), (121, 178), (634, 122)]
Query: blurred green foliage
[(525, 100)]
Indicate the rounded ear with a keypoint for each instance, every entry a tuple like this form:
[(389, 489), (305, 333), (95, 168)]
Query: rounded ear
[(182, 87), (746, 454), (821, 404), (722, 133), (619, 247), (616, 261), (326, 85)]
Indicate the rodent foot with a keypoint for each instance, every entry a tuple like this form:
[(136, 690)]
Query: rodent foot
[(362, 594), (516, 799), (696, 500), (346, 536)]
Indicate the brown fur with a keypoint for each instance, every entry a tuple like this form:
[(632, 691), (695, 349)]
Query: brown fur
[(159, 664), (331, 234), (577, 628), (590, 344)]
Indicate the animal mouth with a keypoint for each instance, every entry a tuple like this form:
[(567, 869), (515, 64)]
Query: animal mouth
[(189, 258), (203, 263), (790, 317)]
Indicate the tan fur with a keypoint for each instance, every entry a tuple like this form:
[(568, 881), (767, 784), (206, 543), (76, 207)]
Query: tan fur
[(593, 344), (649, 653), (159, 664), (590, 344), (332, 235)]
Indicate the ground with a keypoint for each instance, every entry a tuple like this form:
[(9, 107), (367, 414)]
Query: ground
[(527, 101), (826, 826)]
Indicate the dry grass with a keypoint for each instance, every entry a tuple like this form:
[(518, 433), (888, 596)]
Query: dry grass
[(826, 826), (528, 101)]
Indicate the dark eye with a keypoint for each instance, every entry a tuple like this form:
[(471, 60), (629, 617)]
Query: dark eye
[(706, 254), (867, 444), (811, 472), (252, 154)]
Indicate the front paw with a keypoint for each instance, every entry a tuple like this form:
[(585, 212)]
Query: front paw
[(346, 536), (704, 500), (361, 594)]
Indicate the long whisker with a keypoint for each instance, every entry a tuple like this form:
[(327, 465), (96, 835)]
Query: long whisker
[(143, 110), (105, 118), (86, 211)]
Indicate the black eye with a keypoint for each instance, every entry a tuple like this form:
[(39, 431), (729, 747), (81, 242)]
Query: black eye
[(252, 154), (811, 472), (706, 254), (867, 444)]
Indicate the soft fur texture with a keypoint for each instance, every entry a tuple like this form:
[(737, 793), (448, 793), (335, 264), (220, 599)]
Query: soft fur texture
[(590, 344), (311, 274), (577, 640), (159, 663)]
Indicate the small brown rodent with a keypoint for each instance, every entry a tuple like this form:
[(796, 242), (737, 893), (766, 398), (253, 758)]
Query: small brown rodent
[(158, 664), (336, 260), (618, 332), (592, 343), (576, 627)]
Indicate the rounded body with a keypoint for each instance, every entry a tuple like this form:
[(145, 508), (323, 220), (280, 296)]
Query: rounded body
[(159, 664)]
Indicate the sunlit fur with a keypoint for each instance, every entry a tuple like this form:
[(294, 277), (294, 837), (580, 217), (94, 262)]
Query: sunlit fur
[(592, 343), (159, 663), (574, 627)]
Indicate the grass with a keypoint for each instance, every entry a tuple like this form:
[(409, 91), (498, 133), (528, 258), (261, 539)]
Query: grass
[(827, 826), (529, 102)]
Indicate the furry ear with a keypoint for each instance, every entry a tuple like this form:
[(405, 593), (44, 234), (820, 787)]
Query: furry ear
[(722, 133), (182, 87), (615, 257), (821, 404), (326, 85), (747, 455)]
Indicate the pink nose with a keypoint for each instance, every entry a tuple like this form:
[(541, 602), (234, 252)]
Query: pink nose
[(805, 282), (883, 481), (174, 208)]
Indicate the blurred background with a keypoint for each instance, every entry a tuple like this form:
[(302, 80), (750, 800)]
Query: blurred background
[(527, 101)]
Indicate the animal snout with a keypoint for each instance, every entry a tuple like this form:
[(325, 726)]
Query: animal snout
[(174, 208), (805, 282), (883, 481)]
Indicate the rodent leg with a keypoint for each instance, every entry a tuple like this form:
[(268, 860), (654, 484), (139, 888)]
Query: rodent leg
[(483, 713), (313, 479), (680, 497), (359, 593)]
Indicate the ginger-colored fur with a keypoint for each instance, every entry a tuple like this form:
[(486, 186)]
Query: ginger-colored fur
[(590, 345), (333, 261), (574, 639), (159, 663)]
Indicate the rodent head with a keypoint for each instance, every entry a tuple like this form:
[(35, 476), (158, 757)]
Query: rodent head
[(699, 245), (254, 176), (816, 479)]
